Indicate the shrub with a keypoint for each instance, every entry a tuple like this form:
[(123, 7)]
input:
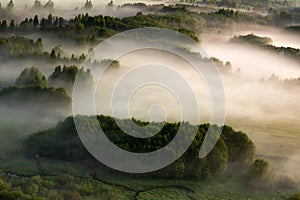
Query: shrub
[(72, 195)]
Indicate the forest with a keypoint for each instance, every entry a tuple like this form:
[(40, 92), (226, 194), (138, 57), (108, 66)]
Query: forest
[(48, 50)]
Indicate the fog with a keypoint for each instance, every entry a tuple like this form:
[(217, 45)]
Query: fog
[(248, 95), (268, 112), (69, 9), (16, 125), (279, 37), (72, 4)]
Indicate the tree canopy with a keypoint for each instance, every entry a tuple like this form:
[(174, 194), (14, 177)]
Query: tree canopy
[(31, 77), (63, 143)]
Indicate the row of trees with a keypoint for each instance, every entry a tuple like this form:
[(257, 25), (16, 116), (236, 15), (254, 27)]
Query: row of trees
[(47, 97), (61, 78), (65, 77), (90, 30), (266, 43), (18, 47), (234, 150), (38, 6), (85, 26), (290, 83)]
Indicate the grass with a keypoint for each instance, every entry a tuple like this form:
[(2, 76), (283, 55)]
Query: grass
[(113, 186), (276, 142), (18, 165), (58, 167), (163, 194)]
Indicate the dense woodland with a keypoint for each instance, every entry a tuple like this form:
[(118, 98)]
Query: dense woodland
[(90, 30), (32, 91), (234, 150), (50, 95)]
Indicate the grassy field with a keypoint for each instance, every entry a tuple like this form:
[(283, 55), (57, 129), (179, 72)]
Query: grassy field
[(279, 143), (276, 141), (124, 187)]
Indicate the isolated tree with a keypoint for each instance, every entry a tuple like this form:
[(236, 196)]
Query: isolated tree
[(37, 4), (53, 54), (259, 168), (61, 22), (36, 21), (4, 25), (39, 45), (12, 24), (49, 20), (110, 4), (10, 6)]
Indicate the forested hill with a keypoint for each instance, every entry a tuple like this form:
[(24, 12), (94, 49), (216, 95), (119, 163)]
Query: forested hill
[(88, 30), (266, 43), (234, 150)]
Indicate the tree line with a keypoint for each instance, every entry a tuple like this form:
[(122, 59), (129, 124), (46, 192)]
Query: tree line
[(234, 150)]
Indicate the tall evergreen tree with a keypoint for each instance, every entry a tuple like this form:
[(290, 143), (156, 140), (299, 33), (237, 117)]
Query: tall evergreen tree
[(10, 6)]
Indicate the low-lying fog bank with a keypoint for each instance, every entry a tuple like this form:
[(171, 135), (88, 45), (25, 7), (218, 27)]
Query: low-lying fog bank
[(268, 112)]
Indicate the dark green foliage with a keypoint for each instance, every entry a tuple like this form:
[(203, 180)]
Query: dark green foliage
[(294, 197), (9, 193), (64, 143), (259, 168), (71, 195), (12, 25), (253, 39), (4, 25), (282, 18), (110, 63), (227, 13), (260, 175), (65, 77), (87, 30), (218, 158), (19, 47), (266, 43), (28, 93), (227, 67), (241, 149), (295, 29), (45, 102), (31, 77), (22, 48)]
